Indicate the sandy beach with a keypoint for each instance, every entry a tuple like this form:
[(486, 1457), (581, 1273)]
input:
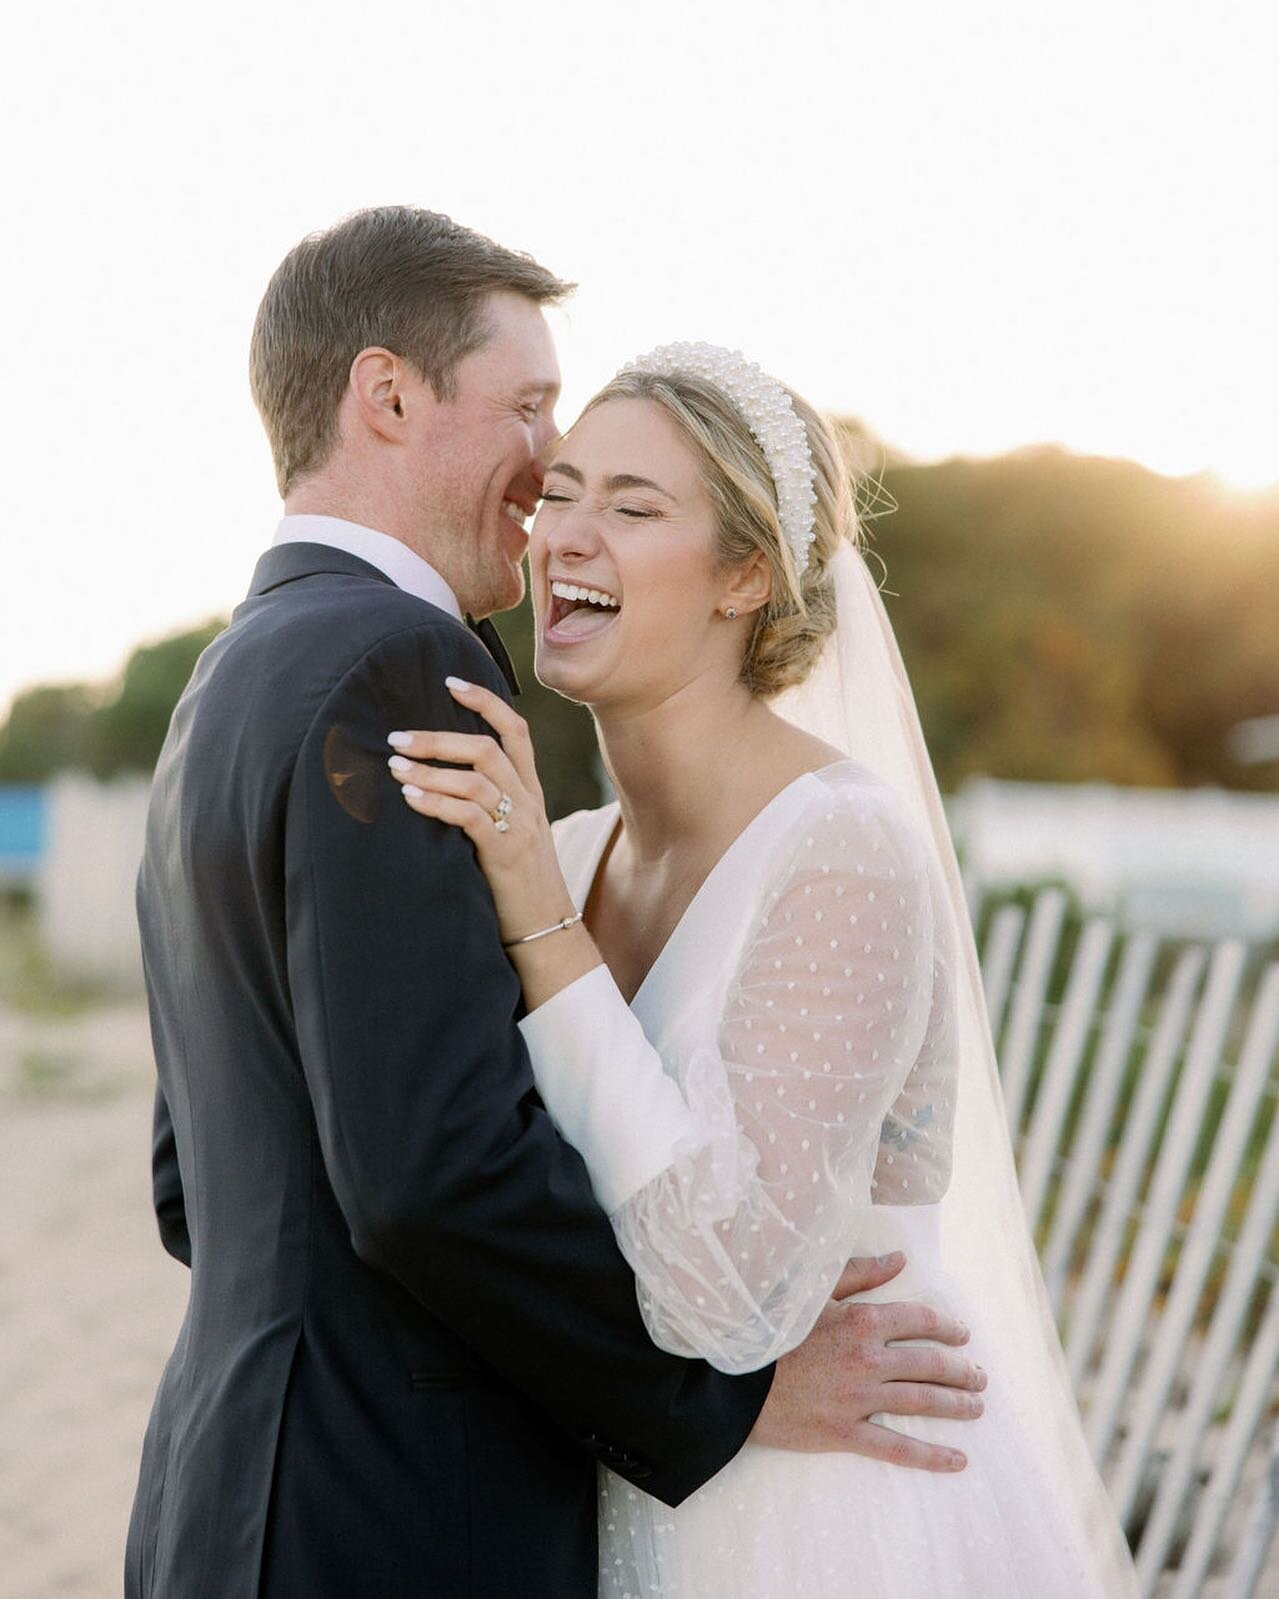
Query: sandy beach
[(89, 1302)]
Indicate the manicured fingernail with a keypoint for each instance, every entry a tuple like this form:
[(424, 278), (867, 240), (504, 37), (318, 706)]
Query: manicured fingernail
[(397, 763), (399, 740), (957, 1462), (410, 792), (458, 684), (891, 1259)]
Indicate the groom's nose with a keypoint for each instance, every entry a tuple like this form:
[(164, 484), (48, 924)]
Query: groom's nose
[(547, 438)]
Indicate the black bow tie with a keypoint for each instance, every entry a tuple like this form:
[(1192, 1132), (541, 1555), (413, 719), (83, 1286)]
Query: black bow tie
[(491, 639)]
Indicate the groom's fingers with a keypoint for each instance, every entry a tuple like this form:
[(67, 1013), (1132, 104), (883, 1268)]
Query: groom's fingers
[(926, 1399), (895, 1449), (864, 1272), (911, 1318), (925, 1363)]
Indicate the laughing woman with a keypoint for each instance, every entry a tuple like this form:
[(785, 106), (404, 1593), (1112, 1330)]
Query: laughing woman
[(753, 1003)]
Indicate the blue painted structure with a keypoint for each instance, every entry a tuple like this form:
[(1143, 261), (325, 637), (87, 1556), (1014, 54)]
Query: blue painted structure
[(22, 833)]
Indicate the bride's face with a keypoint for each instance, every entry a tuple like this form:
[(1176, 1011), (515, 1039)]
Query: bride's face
[(626, 591)]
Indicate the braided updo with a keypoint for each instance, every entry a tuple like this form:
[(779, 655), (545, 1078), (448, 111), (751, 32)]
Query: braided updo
[(788, 632)]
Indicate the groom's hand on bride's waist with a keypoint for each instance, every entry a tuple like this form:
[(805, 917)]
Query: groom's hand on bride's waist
[(856, 1364)]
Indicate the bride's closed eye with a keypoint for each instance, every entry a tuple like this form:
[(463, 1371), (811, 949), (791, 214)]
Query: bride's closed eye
[(635, 512)]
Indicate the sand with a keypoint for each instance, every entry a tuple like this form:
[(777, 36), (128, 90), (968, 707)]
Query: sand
[(89, 1302)]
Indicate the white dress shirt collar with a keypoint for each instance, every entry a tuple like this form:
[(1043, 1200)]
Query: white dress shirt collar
[(405, 568)]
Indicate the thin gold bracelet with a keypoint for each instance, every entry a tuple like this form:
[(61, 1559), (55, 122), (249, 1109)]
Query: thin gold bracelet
[(559, 927)]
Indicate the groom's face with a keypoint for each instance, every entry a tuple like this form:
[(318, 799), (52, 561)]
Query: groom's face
[(480, 457)]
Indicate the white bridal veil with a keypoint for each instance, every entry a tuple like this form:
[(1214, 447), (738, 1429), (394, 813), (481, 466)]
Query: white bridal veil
[(859, 699)]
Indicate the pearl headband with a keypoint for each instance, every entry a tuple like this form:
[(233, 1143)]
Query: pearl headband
[(766, 409)]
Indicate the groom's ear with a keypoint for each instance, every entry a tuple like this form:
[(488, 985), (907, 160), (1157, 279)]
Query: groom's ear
[(378, 381)]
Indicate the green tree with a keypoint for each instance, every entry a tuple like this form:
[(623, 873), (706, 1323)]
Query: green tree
[(46, 730), (1066, 618), (125, 734)]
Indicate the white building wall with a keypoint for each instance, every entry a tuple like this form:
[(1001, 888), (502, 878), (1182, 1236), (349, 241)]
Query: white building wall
[(84, 889), (1199, 863)]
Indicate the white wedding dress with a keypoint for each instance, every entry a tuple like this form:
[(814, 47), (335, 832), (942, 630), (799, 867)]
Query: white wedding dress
[(780, 1096)]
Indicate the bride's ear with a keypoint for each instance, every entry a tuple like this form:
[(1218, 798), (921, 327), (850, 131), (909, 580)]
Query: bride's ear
[(378, 389), (750, 587)]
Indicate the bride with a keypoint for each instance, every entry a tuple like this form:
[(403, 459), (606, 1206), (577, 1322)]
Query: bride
[(753, 1003)]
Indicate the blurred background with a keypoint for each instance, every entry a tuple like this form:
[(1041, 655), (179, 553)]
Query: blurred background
[(1026, 255)]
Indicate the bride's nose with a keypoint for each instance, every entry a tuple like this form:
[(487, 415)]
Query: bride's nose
[(571, 531)]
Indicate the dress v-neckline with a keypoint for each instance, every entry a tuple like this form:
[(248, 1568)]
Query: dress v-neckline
[(591, 868)]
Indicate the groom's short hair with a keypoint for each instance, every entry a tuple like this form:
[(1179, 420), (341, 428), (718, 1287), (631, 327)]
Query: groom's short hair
[(409, 280)]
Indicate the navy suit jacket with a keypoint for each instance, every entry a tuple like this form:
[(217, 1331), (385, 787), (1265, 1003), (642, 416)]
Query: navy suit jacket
[(410, 1335)]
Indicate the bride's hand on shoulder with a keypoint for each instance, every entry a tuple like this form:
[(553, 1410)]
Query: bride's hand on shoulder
[(491, 792)]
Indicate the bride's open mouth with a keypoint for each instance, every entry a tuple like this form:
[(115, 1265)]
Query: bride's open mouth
[(579, 611)]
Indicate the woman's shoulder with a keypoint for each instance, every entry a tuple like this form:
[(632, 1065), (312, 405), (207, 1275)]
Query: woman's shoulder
[(846, 790), (849, 813)]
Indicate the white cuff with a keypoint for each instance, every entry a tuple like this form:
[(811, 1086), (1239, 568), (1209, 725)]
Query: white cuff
[(604, 1086)]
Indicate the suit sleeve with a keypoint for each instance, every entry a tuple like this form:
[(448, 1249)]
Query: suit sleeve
[(166, 1184), (448, 1170)]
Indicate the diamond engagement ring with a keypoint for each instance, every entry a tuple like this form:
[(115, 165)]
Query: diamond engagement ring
[(501, 812)]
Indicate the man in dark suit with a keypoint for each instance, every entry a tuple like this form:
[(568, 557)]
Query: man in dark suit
[(410, 1335)]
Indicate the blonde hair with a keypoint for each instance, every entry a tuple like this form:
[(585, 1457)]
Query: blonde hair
[(787, 633)]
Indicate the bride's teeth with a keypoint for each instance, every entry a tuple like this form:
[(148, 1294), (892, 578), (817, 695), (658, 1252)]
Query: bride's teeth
[(575, 592)]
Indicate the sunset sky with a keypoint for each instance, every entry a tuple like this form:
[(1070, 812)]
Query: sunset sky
[(974, 226)]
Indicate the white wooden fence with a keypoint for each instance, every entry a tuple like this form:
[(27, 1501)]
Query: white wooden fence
[(1142, 1103)]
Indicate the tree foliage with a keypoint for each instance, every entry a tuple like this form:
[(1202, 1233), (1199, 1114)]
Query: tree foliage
[(1063, 618), (103, 730), (1067, 618)]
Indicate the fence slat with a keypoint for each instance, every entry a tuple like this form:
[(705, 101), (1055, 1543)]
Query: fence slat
[(1259, 1533), (1215, 1501), (998, 955), (1195, 1255), (1213, 1361), (1121, 1193), (1028, 1002), (1123, 1014), (1142, 1274), (1061, 1070)]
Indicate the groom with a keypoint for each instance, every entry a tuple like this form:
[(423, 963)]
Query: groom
[(410, 1335)]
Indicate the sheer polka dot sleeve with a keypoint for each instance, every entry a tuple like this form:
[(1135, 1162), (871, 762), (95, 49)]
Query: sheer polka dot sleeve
[(816, 1090)]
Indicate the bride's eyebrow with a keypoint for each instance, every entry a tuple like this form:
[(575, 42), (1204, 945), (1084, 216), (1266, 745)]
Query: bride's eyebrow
[(619, 480), (628, 480)]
